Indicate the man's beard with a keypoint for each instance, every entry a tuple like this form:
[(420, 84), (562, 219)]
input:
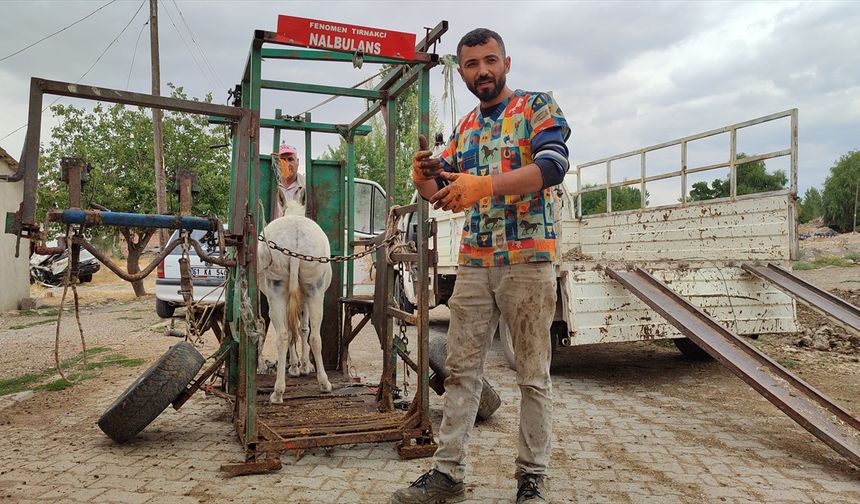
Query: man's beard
[(490, 94)]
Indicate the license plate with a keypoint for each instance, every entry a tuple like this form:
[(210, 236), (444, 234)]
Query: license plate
[(202, 272)]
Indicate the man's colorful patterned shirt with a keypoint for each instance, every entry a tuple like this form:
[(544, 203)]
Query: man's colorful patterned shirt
[(504, 230)]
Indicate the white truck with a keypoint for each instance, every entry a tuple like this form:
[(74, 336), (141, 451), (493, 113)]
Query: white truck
[(696, 247)]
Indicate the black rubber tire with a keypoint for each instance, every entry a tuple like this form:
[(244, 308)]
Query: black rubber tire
[(86, 278), (164, 309), (153, 391), (490, 400), (691, 350)]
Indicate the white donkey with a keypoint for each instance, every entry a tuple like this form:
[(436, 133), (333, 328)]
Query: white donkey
[(293, 287)]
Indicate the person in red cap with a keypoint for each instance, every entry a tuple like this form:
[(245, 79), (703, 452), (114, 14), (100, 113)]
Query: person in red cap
[(291, 184)]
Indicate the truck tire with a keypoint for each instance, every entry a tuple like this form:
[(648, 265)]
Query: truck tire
[(691, 350), (153, 391), (164, 309), (490, 400)]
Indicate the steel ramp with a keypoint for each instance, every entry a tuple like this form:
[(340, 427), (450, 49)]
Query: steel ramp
[(844, 313), (805, 405)]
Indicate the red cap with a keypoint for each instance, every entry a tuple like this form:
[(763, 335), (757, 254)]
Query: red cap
[(287, 149)]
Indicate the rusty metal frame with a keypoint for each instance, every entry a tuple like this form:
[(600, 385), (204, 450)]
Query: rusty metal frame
[(685, 170), (29, 164), (414, 430), (841, 311)]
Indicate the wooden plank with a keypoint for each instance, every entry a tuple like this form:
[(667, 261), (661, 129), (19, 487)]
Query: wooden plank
[(638, 332), (701, 233), (767, 204), (597, 309)]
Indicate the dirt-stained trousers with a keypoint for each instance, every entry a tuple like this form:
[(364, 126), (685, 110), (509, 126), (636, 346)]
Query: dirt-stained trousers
[(524, 295)]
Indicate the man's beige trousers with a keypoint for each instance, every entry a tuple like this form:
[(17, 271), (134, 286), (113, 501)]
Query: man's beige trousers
[(524, 295)]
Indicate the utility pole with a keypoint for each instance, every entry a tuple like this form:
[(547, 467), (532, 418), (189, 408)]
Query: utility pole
[(157, 132)]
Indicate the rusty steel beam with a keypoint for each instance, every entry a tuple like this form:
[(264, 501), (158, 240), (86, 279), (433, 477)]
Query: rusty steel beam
[(28, 166), (841, 311), (136, 99), (801, 402)]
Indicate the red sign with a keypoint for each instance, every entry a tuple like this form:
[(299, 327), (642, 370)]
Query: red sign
[(343, 37)]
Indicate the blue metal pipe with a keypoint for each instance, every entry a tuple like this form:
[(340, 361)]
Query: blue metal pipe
[(99, 218)]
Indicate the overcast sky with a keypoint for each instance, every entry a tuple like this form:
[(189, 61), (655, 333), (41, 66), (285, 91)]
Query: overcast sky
[(626, 74)]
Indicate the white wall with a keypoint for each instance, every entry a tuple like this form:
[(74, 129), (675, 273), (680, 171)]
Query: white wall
[(14, 272)]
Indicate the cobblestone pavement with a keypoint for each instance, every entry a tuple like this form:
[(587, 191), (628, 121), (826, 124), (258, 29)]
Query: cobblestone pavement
[(633, 423)]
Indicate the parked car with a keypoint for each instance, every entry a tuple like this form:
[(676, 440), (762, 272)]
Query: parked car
[(49, 270), (208, 279)]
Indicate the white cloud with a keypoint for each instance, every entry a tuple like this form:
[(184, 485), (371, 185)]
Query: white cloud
[(627, 74)]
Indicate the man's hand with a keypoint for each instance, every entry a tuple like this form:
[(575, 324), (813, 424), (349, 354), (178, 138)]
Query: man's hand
[(463, 191), (424, 167)]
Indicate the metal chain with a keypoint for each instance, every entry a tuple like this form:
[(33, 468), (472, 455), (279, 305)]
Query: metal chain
[(404, 340), (391, 239)]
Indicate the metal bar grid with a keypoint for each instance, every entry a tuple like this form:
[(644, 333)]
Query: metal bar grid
[(248, 428), (685, 170)]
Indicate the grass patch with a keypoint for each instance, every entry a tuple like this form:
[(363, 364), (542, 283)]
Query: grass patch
[(32, 324), (128, 318), (55, 385), (71, 361), (789, 363), (102, 358), (114, 360), (840, 262), (19, 383), (824, 261)]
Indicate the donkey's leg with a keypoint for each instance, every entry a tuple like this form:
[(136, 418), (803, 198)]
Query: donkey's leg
[(315, 312), (307, 365), (278, 312)]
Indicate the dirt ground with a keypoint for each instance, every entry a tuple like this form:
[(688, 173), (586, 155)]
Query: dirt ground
[(704, 407)]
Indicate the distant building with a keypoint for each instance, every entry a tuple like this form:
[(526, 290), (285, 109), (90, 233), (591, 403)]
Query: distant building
[(14, 271)]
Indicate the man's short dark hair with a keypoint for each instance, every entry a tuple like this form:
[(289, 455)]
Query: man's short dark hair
[(480, 36)]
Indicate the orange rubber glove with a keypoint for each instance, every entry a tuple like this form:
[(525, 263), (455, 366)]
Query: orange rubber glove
[(424, 167), (463, 191)]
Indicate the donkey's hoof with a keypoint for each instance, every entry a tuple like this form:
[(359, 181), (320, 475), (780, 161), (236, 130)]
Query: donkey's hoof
[(325, 386), (293, 371), (276, 398)]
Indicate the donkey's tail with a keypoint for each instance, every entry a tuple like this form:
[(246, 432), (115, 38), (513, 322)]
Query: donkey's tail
[(295, 303)]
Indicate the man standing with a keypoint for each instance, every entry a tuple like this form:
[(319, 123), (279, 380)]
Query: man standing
[(499, 166), (291, 184)]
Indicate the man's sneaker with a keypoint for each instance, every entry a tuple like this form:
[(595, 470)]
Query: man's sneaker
[(530, 489), (432, 487)]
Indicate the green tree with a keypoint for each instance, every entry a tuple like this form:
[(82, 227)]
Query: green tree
[(117, 142), (811, 205), (623, 198), (371, 153), (840, 190), (751, 177)]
